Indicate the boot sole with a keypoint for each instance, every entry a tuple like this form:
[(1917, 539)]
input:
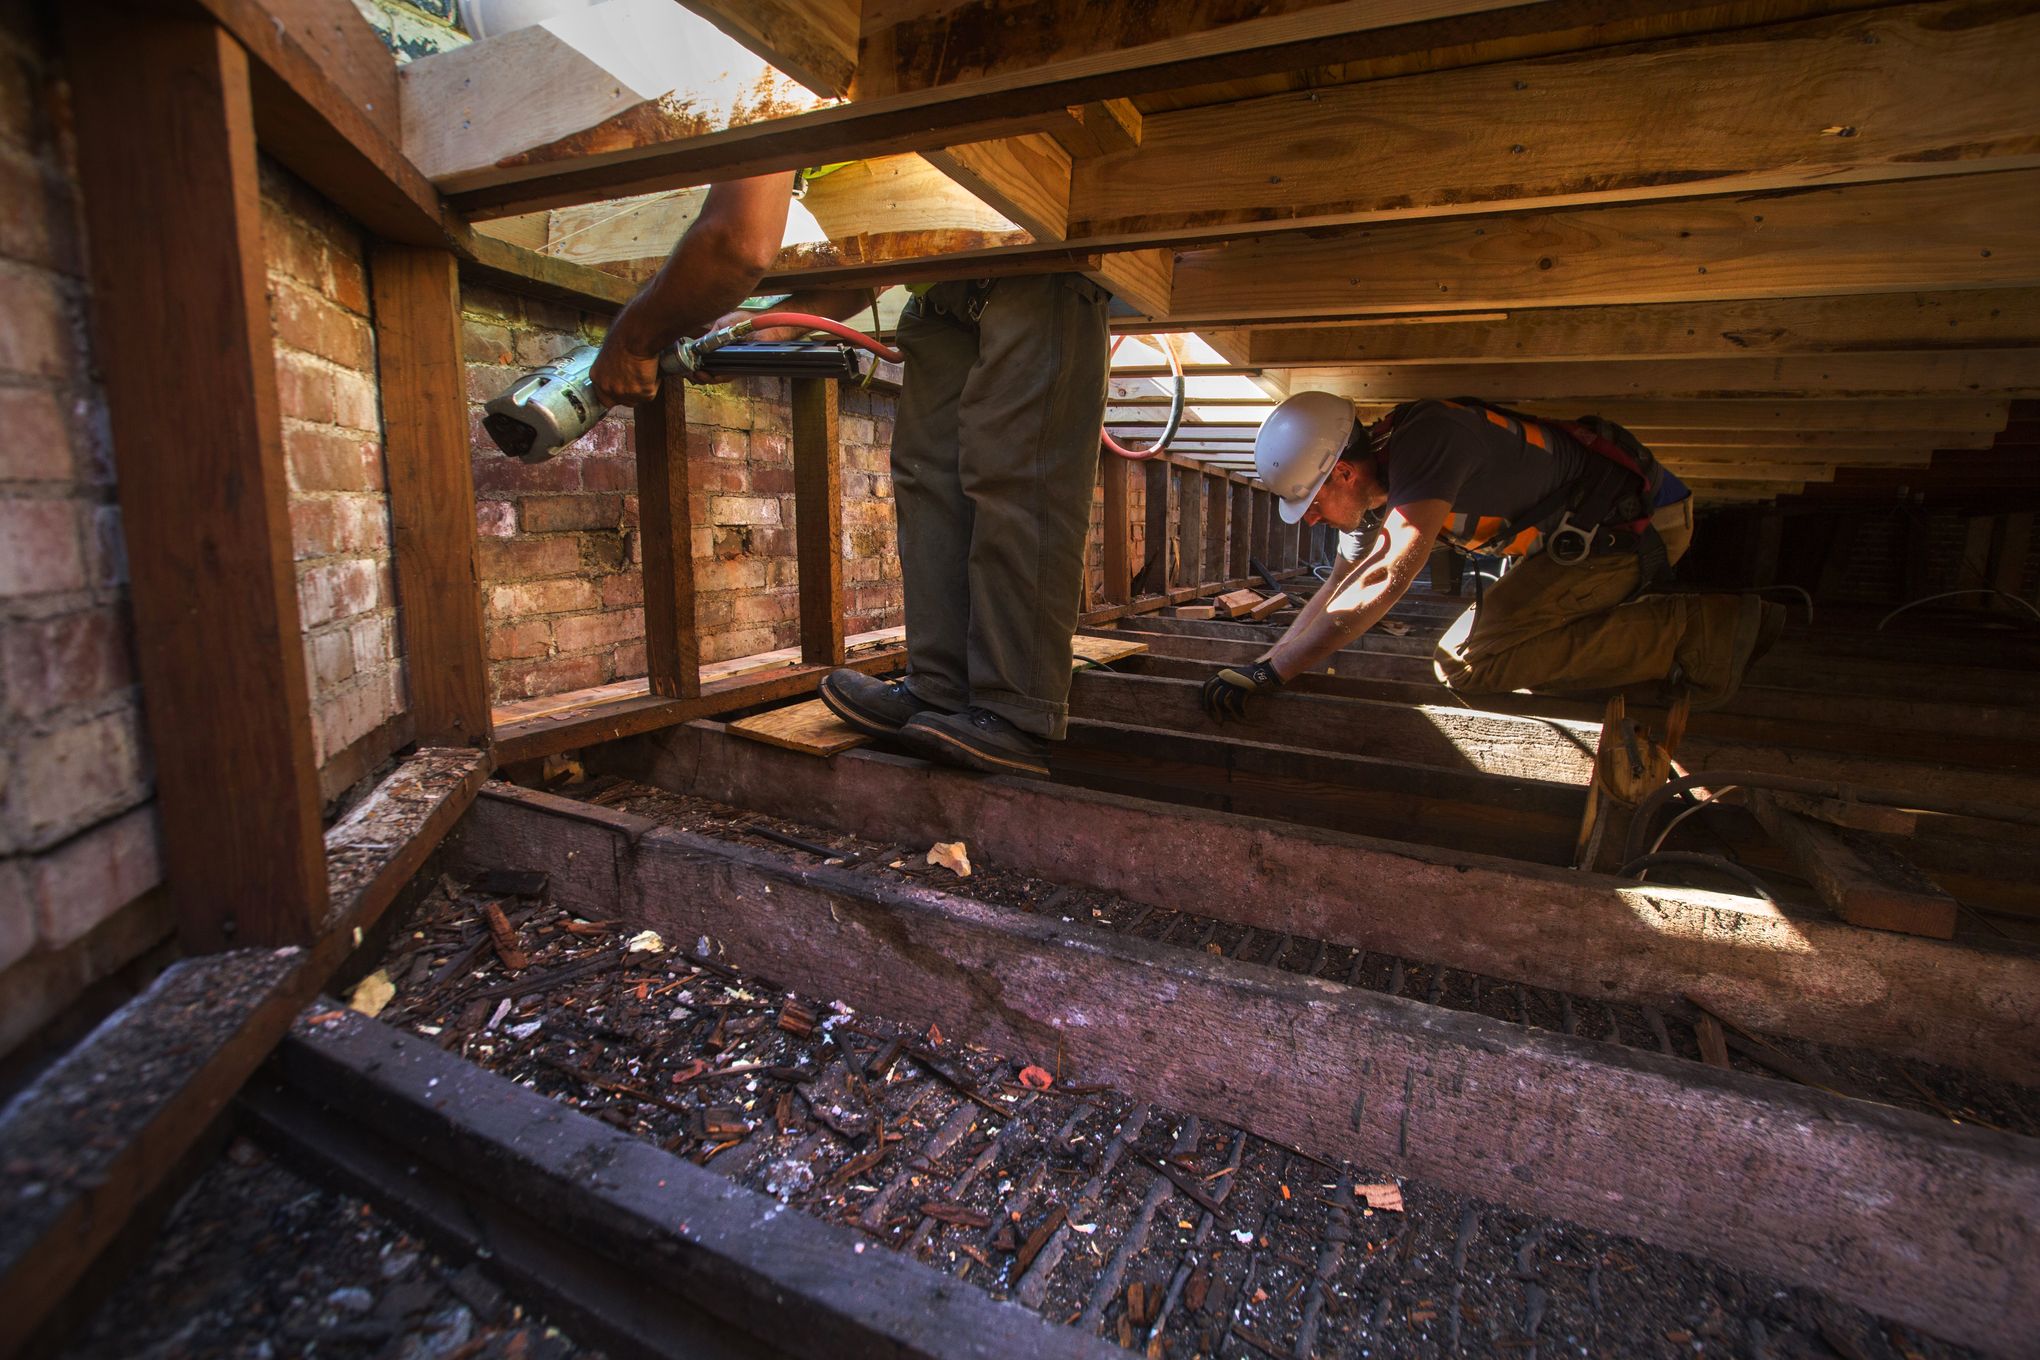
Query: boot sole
[(923, 736), (863, 722)]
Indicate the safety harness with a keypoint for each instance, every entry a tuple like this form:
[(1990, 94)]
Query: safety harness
[(1607, 509)]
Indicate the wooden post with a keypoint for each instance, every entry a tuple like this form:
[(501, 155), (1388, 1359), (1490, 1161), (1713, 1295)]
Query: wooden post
[(1216, 504), (1189, 526), (2010, 544), (1264, 509), (1240, 531), (166, 156), (432, 492), (818, 519), (1117, 529), (672, 652), (1156, 578)]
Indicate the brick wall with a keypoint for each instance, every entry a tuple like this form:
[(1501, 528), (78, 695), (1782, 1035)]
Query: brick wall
[(77, 834), (339, 506), (560, 551)]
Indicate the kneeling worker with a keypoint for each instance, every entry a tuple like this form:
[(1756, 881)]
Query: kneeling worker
[(1595, 519)]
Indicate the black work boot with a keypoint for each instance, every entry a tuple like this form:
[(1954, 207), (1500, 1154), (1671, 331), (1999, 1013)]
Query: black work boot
[(976, 739), (877, 708)]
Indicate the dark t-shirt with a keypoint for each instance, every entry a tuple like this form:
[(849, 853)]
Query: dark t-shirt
[(1447, 453)]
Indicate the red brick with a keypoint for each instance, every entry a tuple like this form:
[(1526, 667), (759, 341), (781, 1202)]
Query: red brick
[(17, 913), (533, 348), (554, 514), (629, 659), (322, 458), (350, 280), (743, 509), (89, 878), (356, 403), (305, 320), (584, 631), (40, 551), (517, 559), (72, 659), (337, 590), (323, 526), (305, 386), (329, 659), (554, 675), (486, 382), (492, 305), (608, 472), (495, 519), (739, 573), (605, 552), (483, 342), (497, 475), (37, 214), (517, 641), (772, 481), (35, 439), (562, 596), (36, 335), (77, 775), (622, 589)]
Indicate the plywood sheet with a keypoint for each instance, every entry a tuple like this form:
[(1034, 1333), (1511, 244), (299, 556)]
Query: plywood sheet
[(1102, 651), (809, 728)]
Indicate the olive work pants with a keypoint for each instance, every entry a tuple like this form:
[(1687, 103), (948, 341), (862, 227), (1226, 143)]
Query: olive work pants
[(994, 457), (1555, 629)]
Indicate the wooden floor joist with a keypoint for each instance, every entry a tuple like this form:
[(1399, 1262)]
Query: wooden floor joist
[(88, 1145), (1966, 1005), (682, 1233), (1911, 1216)]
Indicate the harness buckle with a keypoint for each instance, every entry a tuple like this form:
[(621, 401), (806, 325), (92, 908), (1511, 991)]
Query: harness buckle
[(1570, 544)]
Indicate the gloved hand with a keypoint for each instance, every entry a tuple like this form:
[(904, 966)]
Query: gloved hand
[(1225, 695)]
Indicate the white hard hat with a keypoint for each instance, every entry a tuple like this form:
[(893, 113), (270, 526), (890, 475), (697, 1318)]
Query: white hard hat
[(1298, 445)]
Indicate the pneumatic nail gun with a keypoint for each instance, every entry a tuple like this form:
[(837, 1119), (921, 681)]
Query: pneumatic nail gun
[(551, 407)]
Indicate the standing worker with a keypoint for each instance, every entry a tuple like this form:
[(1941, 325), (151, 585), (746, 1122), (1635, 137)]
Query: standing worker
[(995, 453), (1592, 516)]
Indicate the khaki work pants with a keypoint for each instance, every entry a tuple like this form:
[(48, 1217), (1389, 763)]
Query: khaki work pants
[(995, 454), (1556, 629)]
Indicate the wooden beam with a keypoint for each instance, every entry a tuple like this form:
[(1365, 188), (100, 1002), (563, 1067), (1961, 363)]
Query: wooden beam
[(2012, 372), (1975, 318), (1139, 278), (423, 376), (204, 1024), (527, 272), (891, 208), (167, 158), (1817, 1188), (1965, 1005), (1866, 883), (613, 715), (584, 80), (324, 89), (818, 519), (814, 41), (1924, 235), (1036, 98), (1024, 179), (1102, 126), (1929, 89), (1116, 479), (665, 528), (671, 1230)]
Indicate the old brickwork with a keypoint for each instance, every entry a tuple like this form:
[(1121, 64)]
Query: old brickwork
[(560, 554), (77, 833), (339, 506)]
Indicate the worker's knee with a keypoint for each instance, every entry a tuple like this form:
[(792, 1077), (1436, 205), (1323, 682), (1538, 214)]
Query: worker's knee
[(1460, 675)]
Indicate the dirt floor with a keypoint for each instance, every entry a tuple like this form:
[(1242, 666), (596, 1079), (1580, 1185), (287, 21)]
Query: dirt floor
[(1169, 1235), (259, 1264)]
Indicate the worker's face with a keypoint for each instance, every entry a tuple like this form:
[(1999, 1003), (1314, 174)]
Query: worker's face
[(1353, 489)]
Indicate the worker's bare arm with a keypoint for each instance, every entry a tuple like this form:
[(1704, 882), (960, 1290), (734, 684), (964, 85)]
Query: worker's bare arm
[(1360, 600), (1342, 571), (716, 264)]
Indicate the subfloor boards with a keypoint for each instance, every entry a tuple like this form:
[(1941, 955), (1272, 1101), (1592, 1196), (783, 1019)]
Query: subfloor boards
[(257, 1261), (695, 1058)]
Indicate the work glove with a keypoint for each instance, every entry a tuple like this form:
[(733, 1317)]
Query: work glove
[(1225, 695)]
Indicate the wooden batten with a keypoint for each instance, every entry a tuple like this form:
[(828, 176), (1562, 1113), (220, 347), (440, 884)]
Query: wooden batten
[(425, 437), (1115, 480), (167, 158), (672, 649)]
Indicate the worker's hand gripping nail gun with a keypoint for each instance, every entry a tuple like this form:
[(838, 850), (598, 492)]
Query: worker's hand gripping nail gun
[(553, 406)]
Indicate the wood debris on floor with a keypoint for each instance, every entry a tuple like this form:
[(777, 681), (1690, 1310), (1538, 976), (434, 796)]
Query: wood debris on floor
[(1167, 1234)]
